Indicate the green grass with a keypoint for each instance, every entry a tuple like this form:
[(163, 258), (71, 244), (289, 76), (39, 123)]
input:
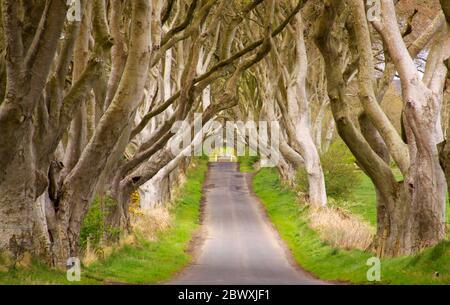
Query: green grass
[(246, 163), (365, 201), (153, 262), (37, 274), (145, 262), (328, 263)]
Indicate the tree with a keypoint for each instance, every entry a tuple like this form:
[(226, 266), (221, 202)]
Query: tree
[(410, 212), (67, 120)]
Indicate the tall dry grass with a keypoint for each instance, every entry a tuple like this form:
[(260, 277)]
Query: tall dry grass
[(341, 229), (147, 223), (152, 221)]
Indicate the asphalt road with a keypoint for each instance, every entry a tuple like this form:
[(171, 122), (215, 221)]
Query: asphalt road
[(240, 246)]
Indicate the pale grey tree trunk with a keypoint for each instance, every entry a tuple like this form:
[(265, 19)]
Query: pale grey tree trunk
[(21, 228), (79, 186), (299, 111), (331, 126), (410, 213), (78, 132)]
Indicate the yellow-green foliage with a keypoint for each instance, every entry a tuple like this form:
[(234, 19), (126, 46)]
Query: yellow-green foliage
[(93, 228), (340, 171)]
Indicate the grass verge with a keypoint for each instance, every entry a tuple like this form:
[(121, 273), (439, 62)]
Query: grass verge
[(431, 266), (141, 262), (247, 163)]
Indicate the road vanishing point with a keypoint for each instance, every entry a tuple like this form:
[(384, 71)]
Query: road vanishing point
[(239, 245)]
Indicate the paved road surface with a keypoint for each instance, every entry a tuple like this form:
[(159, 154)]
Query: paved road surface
[(240, 247)]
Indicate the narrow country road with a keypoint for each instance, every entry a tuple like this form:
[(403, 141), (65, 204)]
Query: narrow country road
[(240, 246)]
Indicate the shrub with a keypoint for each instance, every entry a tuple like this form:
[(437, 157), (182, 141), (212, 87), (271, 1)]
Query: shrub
[(93, 228), (341, 174)]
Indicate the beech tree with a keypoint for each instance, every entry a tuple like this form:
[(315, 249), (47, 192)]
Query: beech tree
[(88, 107), (82, 94), (284, 98), (410, 213), (296, 112)]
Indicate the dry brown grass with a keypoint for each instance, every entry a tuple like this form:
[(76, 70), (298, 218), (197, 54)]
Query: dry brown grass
[(6, 261), (147, 223), (152, 221), (90, 255), (341, 229)]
